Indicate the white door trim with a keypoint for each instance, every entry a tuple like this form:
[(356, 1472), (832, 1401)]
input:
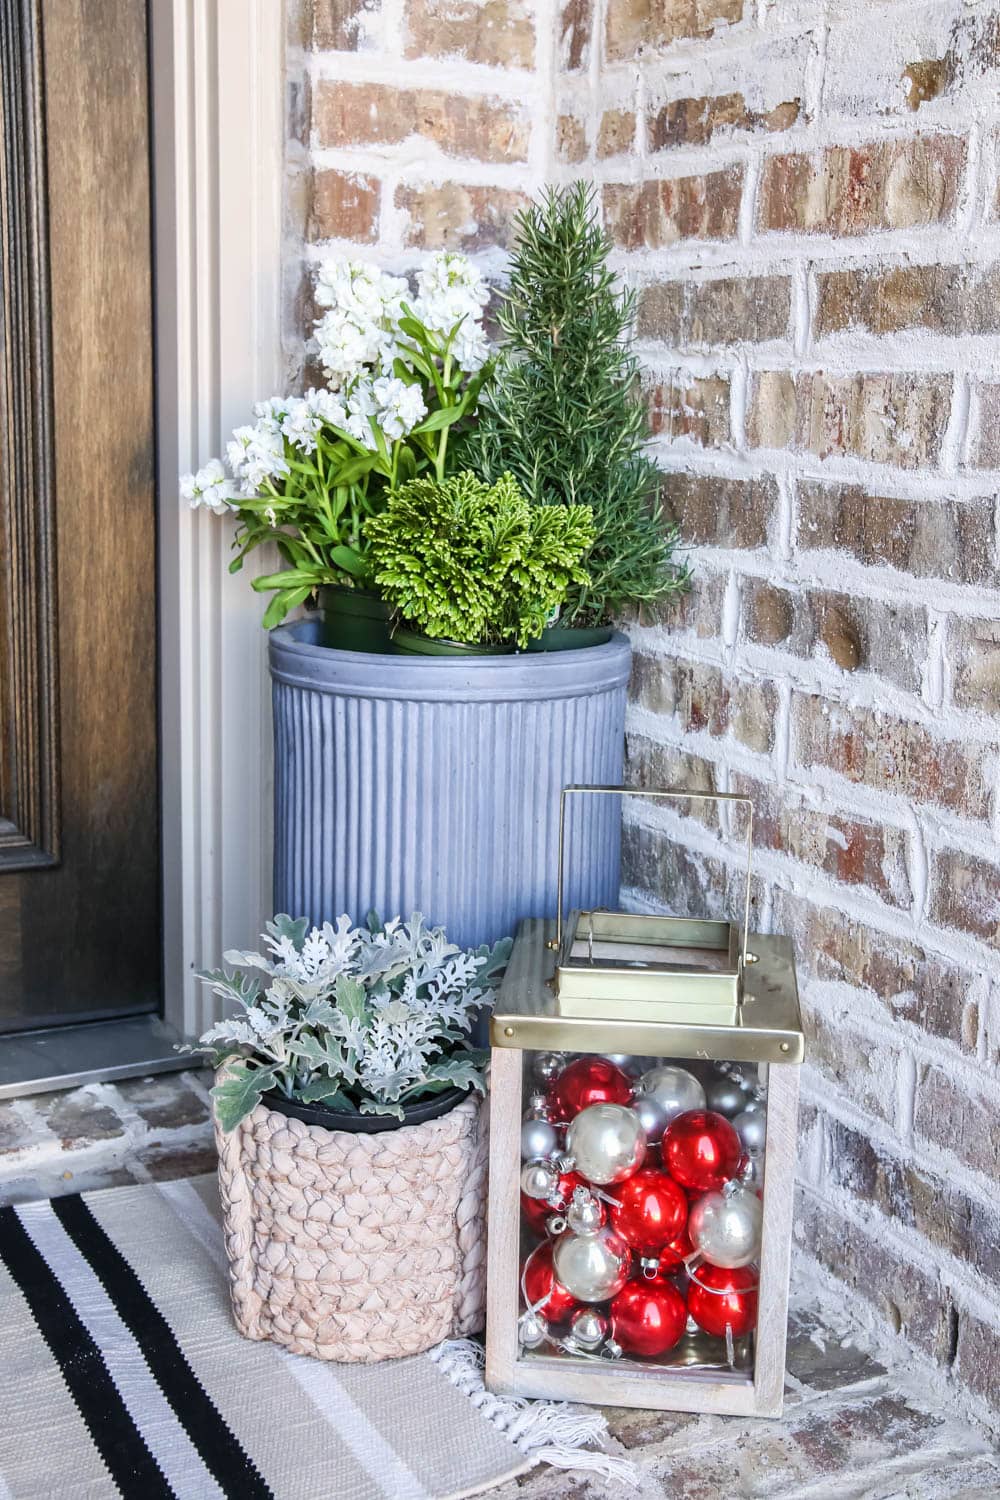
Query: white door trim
[(218, 160)]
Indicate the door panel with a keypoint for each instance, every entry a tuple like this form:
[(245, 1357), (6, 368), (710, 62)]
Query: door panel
[(79, 840)]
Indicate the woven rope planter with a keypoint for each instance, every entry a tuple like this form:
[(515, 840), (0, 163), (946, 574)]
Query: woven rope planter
[(356, 1247)]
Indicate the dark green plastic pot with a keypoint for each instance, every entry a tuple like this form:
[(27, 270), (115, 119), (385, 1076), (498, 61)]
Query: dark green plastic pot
[(354, 620), (409, 643), (336, 1119), (570, 638)]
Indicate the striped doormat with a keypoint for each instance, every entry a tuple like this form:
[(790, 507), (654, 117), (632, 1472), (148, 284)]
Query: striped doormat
[(121, 1373)]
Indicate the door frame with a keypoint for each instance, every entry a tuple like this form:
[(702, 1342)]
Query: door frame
[(218, 129)]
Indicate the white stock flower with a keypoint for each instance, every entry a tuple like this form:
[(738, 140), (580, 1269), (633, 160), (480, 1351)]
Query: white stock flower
[(450, 290), (236, 449), (271, 413), (211, 486), (400, 406), (365, 305), (328, 406), (264, 457), (361, 406)]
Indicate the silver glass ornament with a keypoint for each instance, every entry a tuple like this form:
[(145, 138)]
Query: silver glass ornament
[(538, 1108), (538, 1139), (674, 1089), (539, 1179), (652, 1116), (725, 1096), (585, 1214), (548, 1066), (751, 1127), (725, 1227), (606, 1142), (628, 1062), (592, 1267), (532, 1330), (588, 1328)]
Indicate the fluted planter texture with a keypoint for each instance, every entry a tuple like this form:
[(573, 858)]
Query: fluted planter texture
[(406, 783)]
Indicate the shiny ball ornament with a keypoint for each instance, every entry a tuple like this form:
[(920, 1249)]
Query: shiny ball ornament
[(547, 1066), (538, 1139), (587, 1081), (588, 1329), (651, 1211), (536, 1212), (673, 1256), (585, 1214), (592, 1267), (725, 1227), (538, 1179), (674, 1089), (653, 1117), (538, 1108), (719, 1298), (648, 1318), (606, 1142), (531, 1330), (725, 1097), (751, 1127), (542, 1290), (701, 1150)]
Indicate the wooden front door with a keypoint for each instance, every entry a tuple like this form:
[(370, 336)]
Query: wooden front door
[(79, 800)]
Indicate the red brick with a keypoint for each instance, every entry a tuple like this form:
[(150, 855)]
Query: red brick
[(911, 984), (694, 122), (985, 446), (888, 754), (345, 206), (680, 881), (338, 25), (887, 418), (704, 697), (965, 894), (694, 406), (973, 648), (751, 309), (649, 764), (571, 138), (616, 134), (848, 190), (635, 25), (721, 512), (853, 632), (655, 214), (928, 538), (977, 1363), (576, 21), (699, 610), (454, 216), (481, 128), (499, 33)]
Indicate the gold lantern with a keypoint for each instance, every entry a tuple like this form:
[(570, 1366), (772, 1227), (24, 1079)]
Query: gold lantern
[(644, 1101)]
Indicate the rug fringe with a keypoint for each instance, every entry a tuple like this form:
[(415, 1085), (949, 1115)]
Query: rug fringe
[(547, 1432)]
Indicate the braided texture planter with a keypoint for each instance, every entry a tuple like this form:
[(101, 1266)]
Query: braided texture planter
[(356, 1247)]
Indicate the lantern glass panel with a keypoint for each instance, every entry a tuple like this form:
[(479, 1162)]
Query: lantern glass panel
[(640, 1212)]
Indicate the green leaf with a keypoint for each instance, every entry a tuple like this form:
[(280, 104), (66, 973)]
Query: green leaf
[(379, 1107), (352, 999), (282, 602), (350, 561), (355, 469), (323, 1055), (287, 578), (293, 928), (240, 1092), (318, 1091), (446, 416)]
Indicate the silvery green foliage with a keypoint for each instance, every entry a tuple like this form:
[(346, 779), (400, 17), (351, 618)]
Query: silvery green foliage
[(364, 1019)]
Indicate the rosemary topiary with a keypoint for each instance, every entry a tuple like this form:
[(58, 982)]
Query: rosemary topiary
[(564, 413), (467, 561)]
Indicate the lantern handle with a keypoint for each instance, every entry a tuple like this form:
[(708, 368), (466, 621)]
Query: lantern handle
[(629, 791)]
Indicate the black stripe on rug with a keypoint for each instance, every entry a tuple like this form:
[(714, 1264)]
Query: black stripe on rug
[(219, 1449), (115, 1435)]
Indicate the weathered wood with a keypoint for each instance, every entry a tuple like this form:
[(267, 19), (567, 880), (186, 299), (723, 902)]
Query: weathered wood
[(504, 1245), (780, 1156), (90, 928)]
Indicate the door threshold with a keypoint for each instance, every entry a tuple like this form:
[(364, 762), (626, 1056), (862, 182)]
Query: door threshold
[(36, 1062)]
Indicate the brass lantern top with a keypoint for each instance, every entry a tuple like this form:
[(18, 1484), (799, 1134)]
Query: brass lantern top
[(651, 985)]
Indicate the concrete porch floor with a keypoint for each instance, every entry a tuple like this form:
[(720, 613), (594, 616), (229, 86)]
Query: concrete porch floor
[(862, 1420)]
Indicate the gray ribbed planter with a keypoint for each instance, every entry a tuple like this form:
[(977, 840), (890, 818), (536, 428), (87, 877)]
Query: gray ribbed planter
[(432, 784)]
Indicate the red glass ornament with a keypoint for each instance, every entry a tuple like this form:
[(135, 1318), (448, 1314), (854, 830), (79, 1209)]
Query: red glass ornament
[(701, 1150), (648, 1317), (540, 1285), (586, 1081), (536, 1212), (650, 1211), (675, 1254), (718, 1298)]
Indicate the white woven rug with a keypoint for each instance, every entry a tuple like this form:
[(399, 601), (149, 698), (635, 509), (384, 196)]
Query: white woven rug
[(122, 1373)]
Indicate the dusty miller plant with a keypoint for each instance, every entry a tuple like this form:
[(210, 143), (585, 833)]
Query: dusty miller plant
[(362, 1019)]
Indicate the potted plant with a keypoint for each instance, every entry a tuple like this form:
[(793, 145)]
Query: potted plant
[(308, 473), (564, 414), (472, 568), (351, 1149)]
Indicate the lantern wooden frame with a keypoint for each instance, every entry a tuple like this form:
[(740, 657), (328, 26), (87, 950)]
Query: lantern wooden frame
[(765, 1029)]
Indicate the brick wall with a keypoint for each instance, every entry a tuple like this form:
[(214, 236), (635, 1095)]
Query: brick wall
[(806, 197)]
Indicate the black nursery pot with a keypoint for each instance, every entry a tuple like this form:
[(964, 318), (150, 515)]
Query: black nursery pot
[(338, 1119)]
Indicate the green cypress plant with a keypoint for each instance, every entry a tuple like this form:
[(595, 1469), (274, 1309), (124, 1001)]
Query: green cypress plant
[(564, 414)]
